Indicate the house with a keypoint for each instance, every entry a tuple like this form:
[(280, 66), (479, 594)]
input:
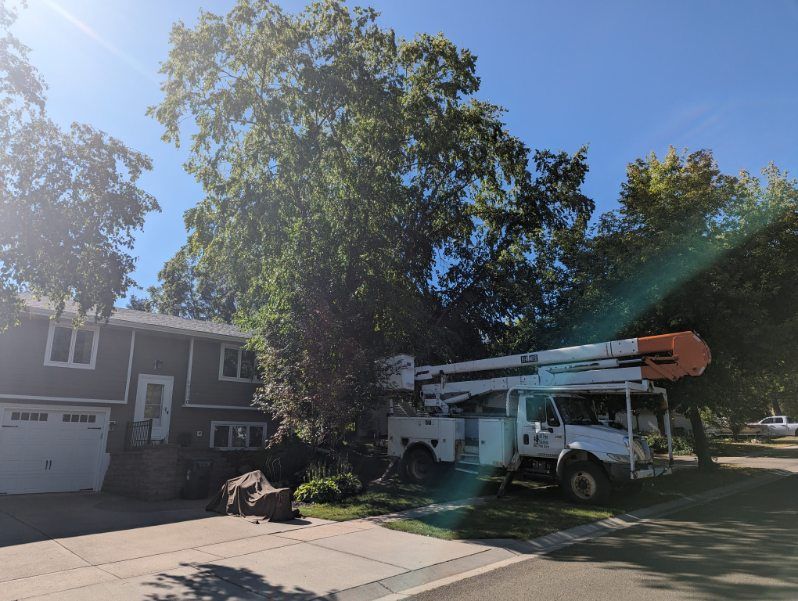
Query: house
[(74, 401)]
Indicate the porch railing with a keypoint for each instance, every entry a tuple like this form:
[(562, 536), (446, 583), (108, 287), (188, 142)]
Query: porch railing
[(139, 434)]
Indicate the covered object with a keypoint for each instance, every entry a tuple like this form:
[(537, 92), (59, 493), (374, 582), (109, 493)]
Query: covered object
[(251, 495)]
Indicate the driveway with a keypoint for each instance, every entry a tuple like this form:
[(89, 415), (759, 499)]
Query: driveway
[(97, 546)]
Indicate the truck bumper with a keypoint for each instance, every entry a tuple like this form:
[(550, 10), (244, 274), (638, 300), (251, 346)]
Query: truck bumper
[(620, 472)]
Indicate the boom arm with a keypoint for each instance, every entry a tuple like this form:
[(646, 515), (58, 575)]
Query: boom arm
[(600, 365), (668, 356)]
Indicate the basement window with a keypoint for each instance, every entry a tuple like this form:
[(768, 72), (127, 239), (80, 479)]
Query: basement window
[(228, 436)]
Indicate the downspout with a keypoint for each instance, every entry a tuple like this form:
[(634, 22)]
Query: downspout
[(130, 363), (187, 399)]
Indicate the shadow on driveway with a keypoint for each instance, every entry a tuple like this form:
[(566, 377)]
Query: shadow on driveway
[(33, 518), (221, 583)]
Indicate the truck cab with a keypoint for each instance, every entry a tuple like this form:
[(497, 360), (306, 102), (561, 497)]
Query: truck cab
[(775, 426)]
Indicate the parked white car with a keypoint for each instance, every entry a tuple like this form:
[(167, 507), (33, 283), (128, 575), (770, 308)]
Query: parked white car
[(778, 425)]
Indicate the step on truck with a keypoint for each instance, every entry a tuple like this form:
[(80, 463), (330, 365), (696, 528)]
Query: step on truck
[(540, 422)]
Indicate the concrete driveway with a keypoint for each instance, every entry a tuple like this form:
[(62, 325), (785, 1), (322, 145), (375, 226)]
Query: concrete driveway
[(97, 546)]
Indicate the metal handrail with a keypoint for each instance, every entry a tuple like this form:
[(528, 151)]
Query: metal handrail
[(139, 434)]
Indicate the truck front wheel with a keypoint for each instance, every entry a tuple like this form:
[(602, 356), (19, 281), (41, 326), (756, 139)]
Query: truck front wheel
[(586, 482), (418, 466)]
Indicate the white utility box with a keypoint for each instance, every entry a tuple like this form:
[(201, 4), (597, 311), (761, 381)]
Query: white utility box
[(496, 441), (439, 434)]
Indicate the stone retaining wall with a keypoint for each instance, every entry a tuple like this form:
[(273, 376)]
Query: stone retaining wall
[(157, 473)]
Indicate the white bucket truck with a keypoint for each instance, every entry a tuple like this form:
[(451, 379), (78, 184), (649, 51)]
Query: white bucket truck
[(541, 422)]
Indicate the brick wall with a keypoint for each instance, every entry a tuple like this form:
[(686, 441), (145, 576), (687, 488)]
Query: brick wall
[(157, 473)]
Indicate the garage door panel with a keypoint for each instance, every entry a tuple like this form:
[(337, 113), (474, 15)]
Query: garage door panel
[(49, 450)]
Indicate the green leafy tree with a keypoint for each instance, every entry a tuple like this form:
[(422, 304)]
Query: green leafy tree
[(359, 199), (689, 248), (69, 203), (187, 289)]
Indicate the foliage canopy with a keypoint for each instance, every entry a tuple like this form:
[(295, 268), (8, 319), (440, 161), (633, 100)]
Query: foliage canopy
[(69, 200), (359, 198)]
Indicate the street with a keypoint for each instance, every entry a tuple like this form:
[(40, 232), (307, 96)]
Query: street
[(741, 547)]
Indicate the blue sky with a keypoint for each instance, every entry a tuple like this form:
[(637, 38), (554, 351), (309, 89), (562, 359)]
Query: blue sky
[(627, 78)]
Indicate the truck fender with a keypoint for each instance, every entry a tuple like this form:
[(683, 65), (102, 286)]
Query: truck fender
[(570, 455)]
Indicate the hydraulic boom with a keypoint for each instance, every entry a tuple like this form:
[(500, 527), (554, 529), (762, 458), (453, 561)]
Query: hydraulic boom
[(641, 360)]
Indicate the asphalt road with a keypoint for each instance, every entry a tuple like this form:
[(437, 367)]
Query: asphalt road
[(741, 547)]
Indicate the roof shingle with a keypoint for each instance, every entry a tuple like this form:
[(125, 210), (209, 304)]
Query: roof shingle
[(142, 319)]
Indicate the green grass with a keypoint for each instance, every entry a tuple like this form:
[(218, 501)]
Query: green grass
[(393, 496), (530, 509), (528, 512)]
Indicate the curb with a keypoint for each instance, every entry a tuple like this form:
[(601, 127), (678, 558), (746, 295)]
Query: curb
[(525, 550)]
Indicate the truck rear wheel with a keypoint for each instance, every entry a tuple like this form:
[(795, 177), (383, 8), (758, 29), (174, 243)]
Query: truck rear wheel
[(586, 482), (418, 466)]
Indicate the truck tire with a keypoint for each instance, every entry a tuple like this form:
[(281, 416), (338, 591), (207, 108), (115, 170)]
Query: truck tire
[(418, 466), (586, 482)]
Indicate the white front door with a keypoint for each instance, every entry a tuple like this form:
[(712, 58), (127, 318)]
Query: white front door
[(154, 401), (48, 449)]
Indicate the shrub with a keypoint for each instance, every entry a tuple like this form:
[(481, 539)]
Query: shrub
[(320, 490), (348, 483), (658, 443), (328, 490)]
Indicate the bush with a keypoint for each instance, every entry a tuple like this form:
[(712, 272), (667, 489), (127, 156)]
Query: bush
[(328, 490), (320, 490), (658, 443), (348, 483)]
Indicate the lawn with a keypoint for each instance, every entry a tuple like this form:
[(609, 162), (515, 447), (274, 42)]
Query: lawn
[(394, 495), (531, 509), (528, 512)]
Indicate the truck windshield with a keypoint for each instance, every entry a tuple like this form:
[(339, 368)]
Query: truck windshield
[(576, 411)]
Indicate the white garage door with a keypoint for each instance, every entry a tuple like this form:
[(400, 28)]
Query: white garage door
[(47, 450)]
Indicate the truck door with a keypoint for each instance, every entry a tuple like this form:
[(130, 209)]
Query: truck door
[(780, 427), (541, 432)]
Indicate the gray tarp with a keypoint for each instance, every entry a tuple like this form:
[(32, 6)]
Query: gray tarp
[(251, 495)]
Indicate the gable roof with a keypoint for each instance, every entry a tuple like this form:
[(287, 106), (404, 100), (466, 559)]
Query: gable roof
[(143, 320)]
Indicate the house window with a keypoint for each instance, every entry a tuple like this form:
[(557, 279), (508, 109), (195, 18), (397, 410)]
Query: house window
[(237, 364), (237, 435), (71, 347)]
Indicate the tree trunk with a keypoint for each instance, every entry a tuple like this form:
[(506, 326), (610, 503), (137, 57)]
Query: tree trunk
[(700, 439), (774, 402)]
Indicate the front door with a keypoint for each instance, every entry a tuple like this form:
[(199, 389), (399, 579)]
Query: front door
[(541, 433), (154, 401)]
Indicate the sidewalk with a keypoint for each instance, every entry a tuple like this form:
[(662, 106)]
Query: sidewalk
[(77, 547)]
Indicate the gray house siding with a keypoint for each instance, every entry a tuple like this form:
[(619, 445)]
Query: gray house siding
[(206, 387), (23, 372), (24, 379)]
